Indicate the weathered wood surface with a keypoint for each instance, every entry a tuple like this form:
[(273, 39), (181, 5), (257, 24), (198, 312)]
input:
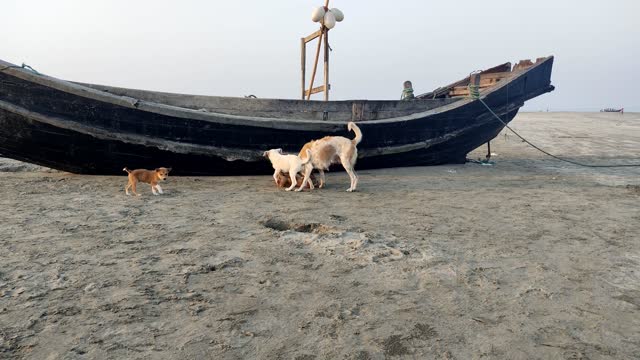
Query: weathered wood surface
[(326, 64), (303, 65), (313, 36), (315, 62), (482, 80), (444, 91), (284, 109), (315, 90)]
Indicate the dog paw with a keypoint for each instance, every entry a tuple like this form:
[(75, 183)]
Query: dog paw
[(350, 190)]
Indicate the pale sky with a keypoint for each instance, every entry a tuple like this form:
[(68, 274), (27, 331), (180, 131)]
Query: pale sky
[(236, 48)]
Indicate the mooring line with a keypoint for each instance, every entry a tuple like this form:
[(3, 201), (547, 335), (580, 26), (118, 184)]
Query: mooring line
[(476, 95)]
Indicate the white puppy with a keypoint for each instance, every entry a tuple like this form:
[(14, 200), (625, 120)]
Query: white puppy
[(291, 164)]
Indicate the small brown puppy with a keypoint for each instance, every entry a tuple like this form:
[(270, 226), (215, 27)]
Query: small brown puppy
[(283, 180), (146, 176)]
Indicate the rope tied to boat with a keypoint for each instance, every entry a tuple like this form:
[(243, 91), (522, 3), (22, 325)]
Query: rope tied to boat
[(23, 66), (474, 91), (476, 96)]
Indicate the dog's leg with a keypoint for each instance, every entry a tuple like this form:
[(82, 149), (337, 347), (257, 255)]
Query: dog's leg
[(352, 174), (354, 180), (294, 182), (275, 176), (153, 190), (307, 174), (126, 188), (352, 163), (159, 189), (310, 182), (322, 179), (133, 188)]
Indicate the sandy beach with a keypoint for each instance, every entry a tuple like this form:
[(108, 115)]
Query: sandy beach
[(529, 258)]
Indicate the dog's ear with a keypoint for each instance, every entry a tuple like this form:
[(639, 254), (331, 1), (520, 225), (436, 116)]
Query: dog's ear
[(265, 154), (279, 151), (157, 169), (169, 169)]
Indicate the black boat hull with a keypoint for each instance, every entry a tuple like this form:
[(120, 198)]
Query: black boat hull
[(46, 124), (49, 146)]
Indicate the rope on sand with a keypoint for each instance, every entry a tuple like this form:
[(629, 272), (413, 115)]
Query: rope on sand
[(475, 93)]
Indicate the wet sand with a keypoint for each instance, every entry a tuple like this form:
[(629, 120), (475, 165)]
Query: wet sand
[(527, 259)]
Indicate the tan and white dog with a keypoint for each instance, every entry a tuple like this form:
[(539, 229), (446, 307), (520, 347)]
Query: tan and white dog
[(152, 177), (291, 164), (332, 150)]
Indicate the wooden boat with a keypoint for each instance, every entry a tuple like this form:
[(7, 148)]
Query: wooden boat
[(621, 110), (95, 129)]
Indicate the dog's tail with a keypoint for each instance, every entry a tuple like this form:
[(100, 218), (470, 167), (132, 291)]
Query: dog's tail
[(305, 162), (127, 170), (353, 127)]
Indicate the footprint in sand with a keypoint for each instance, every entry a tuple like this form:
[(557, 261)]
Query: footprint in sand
[(356, 246)]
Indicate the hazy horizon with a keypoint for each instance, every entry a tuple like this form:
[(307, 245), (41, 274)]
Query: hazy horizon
[(253, 47)]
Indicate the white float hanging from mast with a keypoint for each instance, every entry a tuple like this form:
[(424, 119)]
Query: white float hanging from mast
[(327, 19)]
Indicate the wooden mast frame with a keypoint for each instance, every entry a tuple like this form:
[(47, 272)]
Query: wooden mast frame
[(323, 37)]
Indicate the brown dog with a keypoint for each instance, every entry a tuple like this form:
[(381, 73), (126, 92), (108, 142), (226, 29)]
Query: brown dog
[(283, 180), (146, 176), (331, 150)]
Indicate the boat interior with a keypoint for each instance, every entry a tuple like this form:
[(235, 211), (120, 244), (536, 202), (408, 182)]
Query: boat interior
[(482, 80)]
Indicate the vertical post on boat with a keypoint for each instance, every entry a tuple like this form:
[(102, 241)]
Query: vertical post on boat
[(326, 63), (488, 150), (303, 62)]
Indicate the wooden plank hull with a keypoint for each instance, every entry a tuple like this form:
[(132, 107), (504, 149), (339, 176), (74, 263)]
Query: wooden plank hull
[(92, 130)]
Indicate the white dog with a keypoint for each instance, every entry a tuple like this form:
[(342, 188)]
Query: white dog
[(291, 164), (330, 150)]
